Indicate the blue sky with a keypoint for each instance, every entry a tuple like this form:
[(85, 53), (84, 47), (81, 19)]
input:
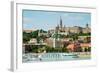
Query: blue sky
[(49, 19)]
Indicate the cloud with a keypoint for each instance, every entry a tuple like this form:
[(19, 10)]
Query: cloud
[(27, 20)]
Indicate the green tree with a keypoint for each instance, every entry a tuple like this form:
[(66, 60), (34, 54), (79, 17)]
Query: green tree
[(75, 37), (26, 37)]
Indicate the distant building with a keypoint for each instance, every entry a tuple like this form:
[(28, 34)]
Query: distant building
[(27, 31), (32, 41), (62, 29), (49, 42), (86, 29), (74, 47), (85, 46)]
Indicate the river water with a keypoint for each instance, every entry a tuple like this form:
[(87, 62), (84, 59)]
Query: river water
[(31, 57)]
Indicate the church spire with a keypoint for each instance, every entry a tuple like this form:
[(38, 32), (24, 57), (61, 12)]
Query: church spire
[(60, 22)]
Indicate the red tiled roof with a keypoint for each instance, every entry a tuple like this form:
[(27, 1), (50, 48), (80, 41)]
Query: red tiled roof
[(71, 46), (85, 45)]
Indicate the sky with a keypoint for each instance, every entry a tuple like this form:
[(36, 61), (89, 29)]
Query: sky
[(46, 20)]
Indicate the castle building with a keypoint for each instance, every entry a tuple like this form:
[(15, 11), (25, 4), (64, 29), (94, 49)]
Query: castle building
[(86, 29), (62, 29)]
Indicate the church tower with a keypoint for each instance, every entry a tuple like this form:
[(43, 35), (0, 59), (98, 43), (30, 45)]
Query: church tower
[(87, 25), (60, 22)]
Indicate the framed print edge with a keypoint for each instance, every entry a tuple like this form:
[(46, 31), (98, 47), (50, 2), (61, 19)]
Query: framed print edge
[(13, 37), (16, 37)]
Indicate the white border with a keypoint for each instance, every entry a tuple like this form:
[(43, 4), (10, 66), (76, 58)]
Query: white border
[(17, 38)]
